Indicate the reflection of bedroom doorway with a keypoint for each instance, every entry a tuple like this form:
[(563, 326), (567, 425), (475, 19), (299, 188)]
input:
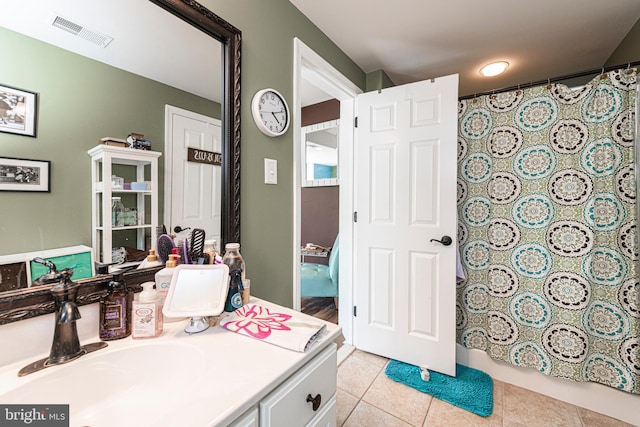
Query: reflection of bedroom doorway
[(313, 72), (319, 202)]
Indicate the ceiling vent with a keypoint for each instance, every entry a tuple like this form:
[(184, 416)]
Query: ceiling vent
[(81, 31)]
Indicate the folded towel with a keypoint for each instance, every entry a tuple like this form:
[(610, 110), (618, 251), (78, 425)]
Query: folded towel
[(285, 330)]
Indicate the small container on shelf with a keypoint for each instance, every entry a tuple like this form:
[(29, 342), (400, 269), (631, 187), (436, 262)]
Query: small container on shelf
[(130, 216), (117, 183), (139, 186)]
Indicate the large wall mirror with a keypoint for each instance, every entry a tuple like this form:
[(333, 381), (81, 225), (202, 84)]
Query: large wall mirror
[(208, 78)]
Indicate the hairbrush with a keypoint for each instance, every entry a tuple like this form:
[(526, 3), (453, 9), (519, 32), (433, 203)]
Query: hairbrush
[(197, 244), (164, 246)]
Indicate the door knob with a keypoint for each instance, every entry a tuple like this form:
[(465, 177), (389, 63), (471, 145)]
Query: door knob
[(178, 229), (445, 240)]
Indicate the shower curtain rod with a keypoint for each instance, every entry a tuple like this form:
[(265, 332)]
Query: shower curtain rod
[(553, 80)]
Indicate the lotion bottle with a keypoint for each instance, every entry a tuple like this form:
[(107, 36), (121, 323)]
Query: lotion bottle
[(163, 283), (146, 314), (115, 320), (151, 260), (164, 276)]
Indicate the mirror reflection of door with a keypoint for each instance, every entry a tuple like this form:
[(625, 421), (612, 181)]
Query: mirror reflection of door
[(192, 185), (319, 204)]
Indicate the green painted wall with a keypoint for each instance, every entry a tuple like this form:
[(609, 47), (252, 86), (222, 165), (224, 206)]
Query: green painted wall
[(377, 80), (268, 29), (79, 102)]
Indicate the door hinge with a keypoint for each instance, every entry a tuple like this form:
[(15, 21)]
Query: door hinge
[(355, 311), (355, 216), (355, 121)]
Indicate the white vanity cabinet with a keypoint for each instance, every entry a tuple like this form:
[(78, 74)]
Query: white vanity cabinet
[(248, 419), (307, 398), (103, 157)]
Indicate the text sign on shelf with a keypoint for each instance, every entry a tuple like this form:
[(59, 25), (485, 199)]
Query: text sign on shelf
[(203, 156)]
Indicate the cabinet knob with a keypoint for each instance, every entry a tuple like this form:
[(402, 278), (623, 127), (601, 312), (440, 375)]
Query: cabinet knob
[(315, 401)]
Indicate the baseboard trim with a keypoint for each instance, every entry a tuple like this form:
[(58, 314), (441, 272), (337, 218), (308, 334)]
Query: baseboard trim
[(344, 351)]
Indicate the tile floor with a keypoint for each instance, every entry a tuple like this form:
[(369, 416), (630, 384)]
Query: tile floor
[(366, 397)]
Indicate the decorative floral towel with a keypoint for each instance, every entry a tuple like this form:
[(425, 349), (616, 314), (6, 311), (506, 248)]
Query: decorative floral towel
[(281, 329)]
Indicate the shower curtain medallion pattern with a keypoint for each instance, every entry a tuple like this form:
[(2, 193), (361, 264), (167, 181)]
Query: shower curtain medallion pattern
[(547, 229)]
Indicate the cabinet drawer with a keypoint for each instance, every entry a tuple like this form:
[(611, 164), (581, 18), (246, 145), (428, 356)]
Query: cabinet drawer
[(328, 417), (287, 405)]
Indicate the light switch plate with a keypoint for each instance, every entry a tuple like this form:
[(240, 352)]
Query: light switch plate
[(270, 171)]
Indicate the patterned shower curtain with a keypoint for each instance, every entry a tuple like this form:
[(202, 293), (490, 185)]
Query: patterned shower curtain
[(547, 230)]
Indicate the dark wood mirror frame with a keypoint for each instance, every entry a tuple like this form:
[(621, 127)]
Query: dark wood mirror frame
[(35, 301)]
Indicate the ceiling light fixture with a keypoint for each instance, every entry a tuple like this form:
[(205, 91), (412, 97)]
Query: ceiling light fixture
[(494, 68)]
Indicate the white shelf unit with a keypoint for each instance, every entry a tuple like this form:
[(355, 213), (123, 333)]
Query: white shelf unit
[(103, 157)]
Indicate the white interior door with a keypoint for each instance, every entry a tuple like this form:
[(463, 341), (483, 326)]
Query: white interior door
[(193, 196), (406, 196)]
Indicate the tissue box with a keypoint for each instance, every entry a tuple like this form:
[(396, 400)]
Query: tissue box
[(140, 186)]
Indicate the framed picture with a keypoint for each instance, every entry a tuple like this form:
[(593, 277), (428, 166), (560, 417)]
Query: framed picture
[(24, 175), (17, 111)]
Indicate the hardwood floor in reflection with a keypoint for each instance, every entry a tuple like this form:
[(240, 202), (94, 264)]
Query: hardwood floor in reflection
[(322, 308)]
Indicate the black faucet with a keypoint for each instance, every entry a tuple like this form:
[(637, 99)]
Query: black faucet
[(66, 345)]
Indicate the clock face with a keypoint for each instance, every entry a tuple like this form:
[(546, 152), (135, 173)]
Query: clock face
[(270, 112)]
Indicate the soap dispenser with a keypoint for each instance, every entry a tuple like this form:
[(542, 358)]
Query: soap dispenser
[(146, 313), (151, 260), (115, 321)]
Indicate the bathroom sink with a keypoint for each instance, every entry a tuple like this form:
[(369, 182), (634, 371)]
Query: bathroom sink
[(148, 380), (208, 379)]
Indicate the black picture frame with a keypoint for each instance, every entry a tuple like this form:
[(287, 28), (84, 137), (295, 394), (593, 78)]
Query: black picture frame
[(25, 175), (18, 111)]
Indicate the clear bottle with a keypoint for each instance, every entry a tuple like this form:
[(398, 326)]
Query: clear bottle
[(235, 262), (233, 259), (117, 212), (146, 313)]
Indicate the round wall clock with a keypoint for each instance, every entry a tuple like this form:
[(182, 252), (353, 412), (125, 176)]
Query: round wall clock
[(270, 112)]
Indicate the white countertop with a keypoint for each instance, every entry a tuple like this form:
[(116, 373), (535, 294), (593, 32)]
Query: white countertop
[(234, 372)]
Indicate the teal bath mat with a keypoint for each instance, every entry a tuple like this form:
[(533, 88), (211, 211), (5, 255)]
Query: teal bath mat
[(471, 389)]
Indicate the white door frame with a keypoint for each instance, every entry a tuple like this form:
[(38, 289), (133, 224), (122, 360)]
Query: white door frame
[(308, 65)]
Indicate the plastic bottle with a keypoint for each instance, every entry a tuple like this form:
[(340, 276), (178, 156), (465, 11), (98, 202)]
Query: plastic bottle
[(175, 253), (163, 278), (151, 260), (235, 262), (210, 250), (115, 321), (117, 212), (244, 293), (163, 283), (146, 313)]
